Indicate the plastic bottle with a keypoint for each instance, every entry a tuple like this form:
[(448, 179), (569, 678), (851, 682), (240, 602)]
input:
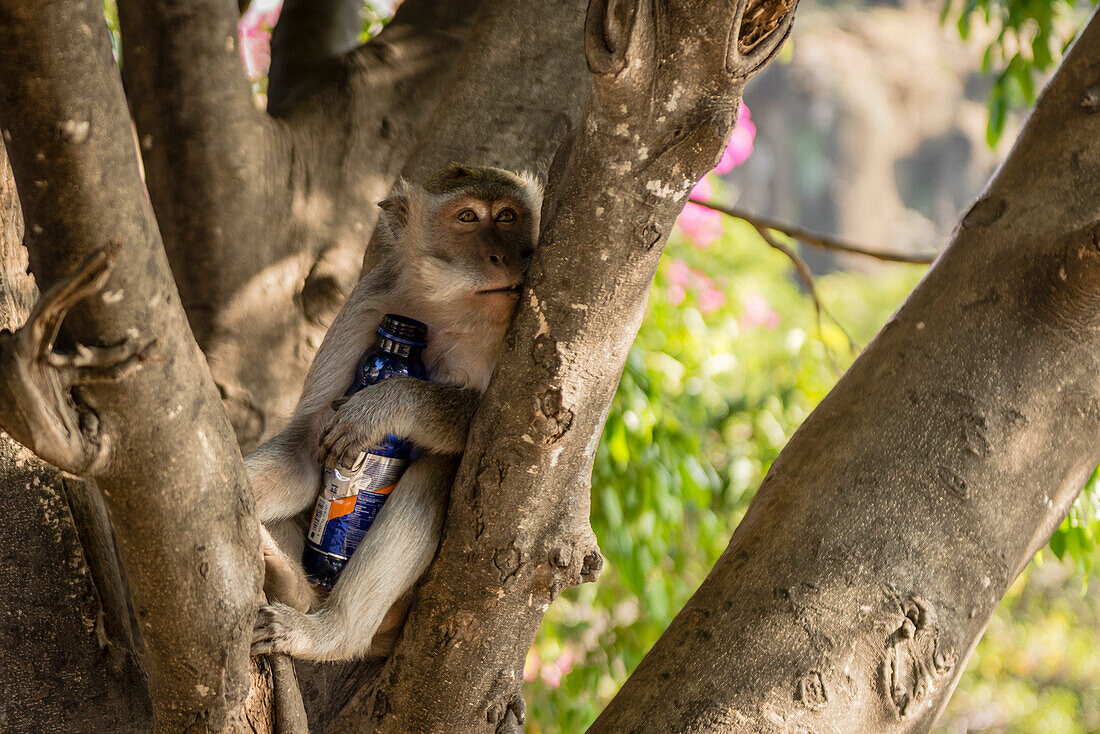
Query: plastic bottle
[(350, 497)]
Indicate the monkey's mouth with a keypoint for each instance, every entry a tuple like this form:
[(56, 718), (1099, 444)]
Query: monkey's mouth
[(510, 289)]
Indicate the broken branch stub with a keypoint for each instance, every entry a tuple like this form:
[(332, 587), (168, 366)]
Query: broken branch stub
[(36, 405), (666, 86)]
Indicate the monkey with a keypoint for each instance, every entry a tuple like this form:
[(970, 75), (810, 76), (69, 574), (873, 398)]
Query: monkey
[(452, 253)]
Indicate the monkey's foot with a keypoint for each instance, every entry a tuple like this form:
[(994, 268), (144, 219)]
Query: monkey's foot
[(318, 636), (282, 629), (37, 408)]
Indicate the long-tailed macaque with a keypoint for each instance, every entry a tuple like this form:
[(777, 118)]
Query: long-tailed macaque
[(453, 254)]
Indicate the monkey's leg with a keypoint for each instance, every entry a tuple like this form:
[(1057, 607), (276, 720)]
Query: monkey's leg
[(392, 556), (284, 578), (285, 473)]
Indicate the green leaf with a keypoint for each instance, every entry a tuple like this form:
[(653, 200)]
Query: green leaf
[(1058, 544), (998, 113)]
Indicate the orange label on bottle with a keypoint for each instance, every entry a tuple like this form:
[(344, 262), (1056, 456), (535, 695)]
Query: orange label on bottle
[(340, 507)]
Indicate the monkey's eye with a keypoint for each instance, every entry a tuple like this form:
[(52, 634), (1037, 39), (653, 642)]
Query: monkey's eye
[(506, 215), (467, 215)]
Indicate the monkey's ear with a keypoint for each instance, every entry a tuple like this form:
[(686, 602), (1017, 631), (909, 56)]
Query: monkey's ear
[(532, 184), (396, 209)]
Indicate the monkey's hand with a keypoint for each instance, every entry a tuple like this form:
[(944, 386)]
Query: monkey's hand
[(434, 417)]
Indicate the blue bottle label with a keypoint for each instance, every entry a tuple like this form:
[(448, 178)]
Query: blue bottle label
[(350, 500)]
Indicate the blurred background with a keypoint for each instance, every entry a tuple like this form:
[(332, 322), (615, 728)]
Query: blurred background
[(879, 124)]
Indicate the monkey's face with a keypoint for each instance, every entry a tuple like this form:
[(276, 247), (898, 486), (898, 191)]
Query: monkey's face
[(486, 246)]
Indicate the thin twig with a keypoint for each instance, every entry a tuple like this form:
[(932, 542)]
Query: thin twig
[(816, 239), (807, 277)]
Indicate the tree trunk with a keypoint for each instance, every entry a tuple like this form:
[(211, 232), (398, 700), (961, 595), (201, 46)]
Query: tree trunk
[(156, 440), (891, 525), (517, 532), (67, 656)]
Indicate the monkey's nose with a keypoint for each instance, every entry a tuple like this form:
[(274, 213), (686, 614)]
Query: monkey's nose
[(498, 259)]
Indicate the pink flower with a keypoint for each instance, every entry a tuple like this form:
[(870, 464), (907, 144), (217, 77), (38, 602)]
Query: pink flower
[(710, 300), (682, 277), (552, 673), (757, 312), (565, 661), (679, 272), (254, 33), (679, 275), (700, 225), (739, 147)]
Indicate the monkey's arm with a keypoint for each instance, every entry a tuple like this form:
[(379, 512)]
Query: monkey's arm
[(284, 473), (434, 417)]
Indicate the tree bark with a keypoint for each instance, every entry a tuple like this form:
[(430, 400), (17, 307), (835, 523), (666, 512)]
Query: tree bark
[(891, 525), (157, 440), (659, 113), (308, 37), (212, 159)]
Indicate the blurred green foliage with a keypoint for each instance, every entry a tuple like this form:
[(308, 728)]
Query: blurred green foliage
[(705, 404), (1030, 38), (1036, 670)]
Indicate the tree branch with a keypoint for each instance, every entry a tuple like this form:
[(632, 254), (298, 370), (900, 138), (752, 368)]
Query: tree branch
[(816, 239), (309, 35), (888, 529), (170, 473), (807, 277), (209, 154), (517, 530)]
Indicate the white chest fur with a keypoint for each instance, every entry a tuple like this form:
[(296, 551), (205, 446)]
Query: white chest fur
[(464, 357)]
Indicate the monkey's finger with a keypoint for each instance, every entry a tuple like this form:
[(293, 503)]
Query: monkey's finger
[(269, 626), (331, 445), (333, 454), (346, 450), (327, 457), (326, 430), (270, 647)]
